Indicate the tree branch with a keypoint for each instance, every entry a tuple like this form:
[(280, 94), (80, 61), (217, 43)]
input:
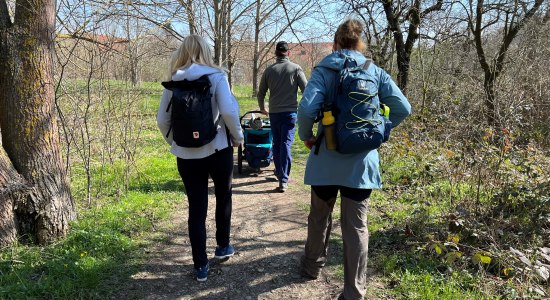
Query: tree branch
[(477, 30), (290, 23), (90, 39), (392, 20), (437, 6), (414, 23), (511, 34), (5, 20), (546, 16)]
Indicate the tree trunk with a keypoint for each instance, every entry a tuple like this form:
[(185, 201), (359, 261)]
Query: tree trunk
[(403, 66), (403, 58), (493, 70), (190, 16), (133, 62), (490, 98), (10, 183), (404, 48), (223, 33), (256, 62), (28, 121), (217, 32), (229, 44)]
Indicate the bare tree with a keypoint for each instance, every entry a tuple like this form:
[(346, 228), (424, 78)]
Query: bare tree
[(28, 125), (259, 20), (190, 10), (509, 17), (377, 33), (403, 20), (397, 14), (227, 14), (274, 19)]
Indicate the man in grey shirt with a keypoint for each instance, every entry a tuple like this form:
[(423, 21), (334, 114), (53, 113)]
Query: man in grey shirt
[(283, 79)]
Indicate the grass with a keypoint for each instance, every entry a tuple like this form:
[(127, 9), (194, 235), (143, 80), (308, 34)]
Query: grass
[(432, 286), (424, 183), (103, 244)]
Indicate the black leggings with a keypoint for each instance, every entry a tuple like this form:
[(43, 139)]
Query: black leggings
[(327, 192), (194, 173)]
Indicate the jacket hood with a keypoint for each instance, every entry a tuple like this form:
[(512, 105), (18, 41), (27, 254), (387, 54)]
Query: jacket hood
[(194, 71), (335, 61)]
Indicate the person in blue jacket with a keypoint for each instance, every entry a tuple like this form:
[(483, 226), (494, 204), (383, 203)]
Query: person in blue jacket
[(330, 172)]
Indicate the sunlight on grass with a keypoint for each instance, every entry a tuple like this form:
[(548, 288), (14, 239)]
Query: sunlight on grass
[(430, 286), (105, 241)]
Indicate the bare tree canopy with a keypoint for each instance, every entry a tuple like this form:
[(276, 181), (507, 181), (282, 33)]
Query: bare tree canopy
[(403, 20), (510, 18)]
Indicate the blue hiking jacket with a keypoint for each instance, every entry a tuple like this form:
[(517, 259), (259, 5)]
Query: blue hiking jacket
[(360, 170)]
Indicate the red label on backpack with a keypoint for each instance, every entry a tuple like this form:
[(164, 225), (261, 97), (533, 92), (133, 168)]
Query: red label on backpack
[(195, 134)]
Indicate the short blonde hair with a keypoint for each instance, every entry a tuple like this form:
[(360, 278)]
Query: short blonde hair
[(193, 49), (348, 35)]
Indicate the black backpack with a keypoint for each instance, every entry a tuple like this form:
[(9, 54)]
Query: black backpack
[(191, 118)]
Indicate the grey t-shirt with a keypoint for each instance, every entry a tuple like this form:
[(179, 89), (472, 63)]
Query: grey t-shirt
[(283, 79)]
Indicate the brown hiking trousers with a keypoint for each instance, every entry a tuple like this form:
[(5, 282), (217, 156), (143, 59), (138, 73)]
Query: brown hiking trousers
[(355, 235)]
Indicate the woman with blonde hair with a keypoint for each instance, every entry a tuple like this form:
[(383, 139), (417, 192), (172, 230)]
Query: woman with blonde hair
[(329, 172), (191, 61)]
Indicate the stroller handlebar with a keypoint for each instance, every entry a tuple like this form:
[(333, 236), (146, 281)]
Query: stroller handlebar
[(250, 112)]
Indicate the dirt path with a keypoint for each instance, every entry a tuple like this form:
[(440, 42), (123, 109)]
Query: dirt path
[(268, 232)]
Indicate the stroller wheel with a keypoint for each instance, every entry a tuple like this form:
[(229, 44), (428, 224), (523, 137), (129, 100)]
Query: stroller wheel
[(240, 159)]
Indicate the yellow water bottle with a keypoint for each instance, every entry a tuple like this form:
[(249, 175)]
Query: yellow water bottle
[(329, 130)]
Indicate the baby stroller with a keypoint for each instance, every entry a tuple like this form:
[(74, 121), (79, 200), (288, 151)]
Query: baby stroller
[(258, 141)]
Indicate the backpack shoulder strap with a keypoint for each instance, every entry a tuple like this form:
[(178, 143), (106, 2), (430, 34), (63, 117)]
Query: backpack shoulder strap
[(204, 79), (168, 84), (367, 64), (350, 62), (330, 98)]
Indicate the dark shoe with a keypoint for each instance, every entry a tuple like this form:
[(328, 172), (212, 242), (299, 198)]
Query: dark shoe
[(341, 297), (304, 273), (202, 273), (224, 252), (283, 186)]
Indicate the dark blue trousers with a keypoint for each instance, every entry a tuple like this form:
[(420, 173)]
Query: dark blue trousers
[(194, 173), (283, 127)]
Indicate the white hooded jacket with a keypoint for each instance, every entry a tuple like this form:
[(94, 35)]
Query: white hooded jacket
[(223, 103)]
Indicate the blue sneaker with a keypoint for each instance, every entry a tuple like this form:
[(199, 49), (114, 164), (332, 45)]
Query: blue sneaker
[(202, 273), (224, 252)]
